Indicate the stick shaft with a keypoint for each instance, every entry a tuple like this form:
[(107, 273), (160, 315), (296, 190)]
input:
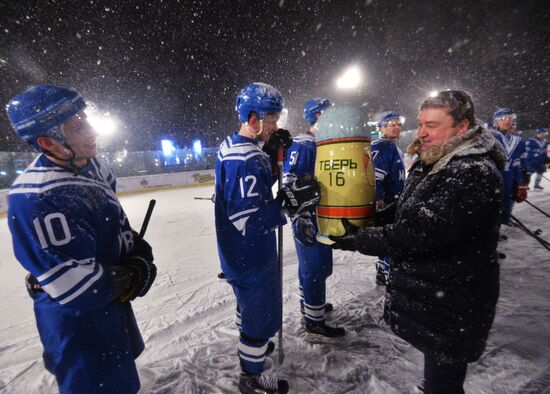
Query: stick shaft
[(147, 218), (280, 158)]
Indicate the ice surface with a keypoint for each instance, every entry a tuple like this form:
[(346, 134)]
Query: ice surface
[(187, 319)]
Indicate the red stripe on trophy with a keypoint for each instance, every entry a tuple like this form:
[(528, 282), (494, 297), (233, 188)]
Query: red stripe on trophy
[(347, 212)]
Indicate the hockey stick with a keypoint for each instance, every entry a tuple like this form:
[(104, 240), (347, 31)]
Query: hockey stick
[(537, 208), (534, 234), (546, 178), (126, 297), (280, 158), (147, 218), (206, 198)]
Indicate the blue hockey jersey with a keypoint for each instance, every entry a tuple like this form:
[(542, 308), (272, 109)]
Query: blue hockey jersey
[(537, 155), (246, 213), (389, 169), (516, 156), (514, 170), (300, 160), (66, 228)]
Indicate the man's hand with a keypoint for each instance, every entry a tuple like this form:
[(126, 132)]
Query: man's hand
[(279, 138), (302, 195), (520, 192), (348, 240)]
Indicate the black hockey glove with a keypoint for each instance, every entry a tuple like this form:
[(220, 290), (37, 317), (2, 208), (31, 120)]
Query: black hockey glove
[(142, 270), (279, 138), (304, 229), (348, 241), (302, 195)]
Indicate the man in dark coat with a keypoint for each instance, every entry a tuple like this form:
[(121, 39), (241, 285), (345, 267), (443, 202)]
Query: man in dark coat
[(442, 235)]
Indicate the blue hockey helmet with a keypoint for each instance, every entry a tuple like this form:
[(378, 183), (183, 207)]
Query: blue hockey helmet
[(540, 130), (385, 117), (260, 98), (314, 106), (41, 109), (503, 112)]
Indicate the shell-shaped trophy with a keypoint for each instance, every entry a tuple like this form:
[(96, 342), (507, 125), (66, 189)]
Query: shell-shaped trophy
[(345, 170)]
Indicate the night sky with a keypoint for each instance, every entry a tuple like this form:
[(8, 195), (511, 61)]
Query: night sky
[(175, 67)]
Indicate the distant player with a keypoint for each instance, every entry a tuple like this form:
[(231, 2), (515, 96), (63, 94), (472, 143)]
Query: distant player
[(71, 233), (537, 156), (389, 169), (515, 181), (247, 216), (314, 258)]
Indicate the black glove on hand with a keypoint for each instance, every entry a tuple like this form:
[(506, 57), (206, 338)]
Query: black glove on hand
[(300, 196), (348, 240), (304, 229), (279, 138), (142, 270)]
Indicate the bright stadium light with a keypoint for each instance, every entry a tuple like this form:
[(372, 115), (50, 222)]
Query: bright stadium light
[(168, 148), (102, 122), (197, 147), (434, 93), (350, 79)]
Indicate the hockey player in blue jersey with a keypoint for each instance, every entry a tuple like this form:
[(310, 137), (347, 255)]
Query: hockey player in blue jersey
[(72, 235), (389, 169), (537, 156), (314, 258), (247, 216), (514, 175)]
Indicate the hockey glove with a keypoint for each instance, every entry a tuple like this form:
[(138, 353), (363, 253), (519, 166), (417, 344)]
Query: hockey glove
[(142, 270), (520, 192), (279, 138), (348, 241), (304, 229), (302, 195)]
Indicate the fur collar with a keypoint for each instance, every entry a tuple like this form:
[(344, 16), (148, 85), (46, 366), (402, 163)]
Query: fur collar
[(475, 141)]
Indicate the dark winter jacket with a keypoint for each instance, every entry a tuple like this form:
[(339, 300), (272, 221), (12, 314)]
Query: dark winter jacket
[(444, 280)]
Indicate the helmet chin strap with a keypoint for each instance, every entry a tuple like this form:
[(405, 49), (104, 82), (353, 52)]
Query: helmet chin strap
[(71, 164), (251, 131)]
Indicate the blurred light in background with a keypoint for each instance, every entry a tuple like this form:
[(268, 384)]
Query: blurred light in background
[(350, 79), (168, 147), (197, 147)]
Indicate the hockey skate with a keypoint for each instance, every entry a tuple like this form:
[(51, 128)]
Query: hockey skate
[(539, 187), (262, 384), (322, 332), (328, 308)]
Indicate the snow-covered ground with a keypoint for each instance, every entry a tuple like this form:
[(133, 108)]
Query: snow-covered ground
[(187, 319)]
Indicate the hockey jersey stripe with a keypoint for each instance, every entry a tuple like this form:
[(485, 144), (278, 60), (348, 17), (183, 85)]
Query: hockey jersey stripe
[(59, 267), (70, 277), (83, 288), (38, 190), (242, 158), (242, 213)]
